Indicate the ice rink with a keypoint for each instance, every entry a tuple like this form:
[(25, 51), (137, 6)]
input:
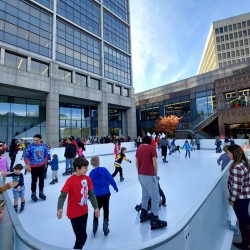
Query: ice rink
[(183, 180)]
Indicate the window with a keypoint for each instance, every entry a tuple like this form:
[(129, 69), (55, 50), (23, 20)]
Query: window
[(226, 37), (95, 84), (15, 61), (246, 41), (243, 24), (225, 28), (237, 53), (217, 39), (241, 42), (126, 91), (233, 53), (231, 36), (230, 27), (228, 55), (244, 33), (234, 26), (227, 45), (223, 46), (236, 44), (218, 47), (235, 35), (239, 25), (117, 90), (65, 75), (222, 38), (247, 51), (224, 55), (240, 33), (221, 29), (242, 52), (110, 88), (39, 68), (219, 56), (216, 31), (232, 45), (81, 79)]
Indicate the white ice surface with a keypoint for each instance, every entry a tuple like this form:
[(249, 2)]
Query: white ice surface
[(184, 181)]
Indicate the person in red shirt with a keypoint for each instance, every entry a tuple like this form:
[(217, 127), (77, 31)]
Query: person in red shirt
[(79, 188), (117, 148), (147, 174)]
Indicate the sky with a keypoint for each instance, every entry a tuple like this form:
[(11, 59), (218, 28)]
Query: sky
[(169, 36)]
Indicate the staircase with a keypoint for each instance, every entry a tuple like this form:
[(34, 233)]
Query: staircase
[(195, 127)]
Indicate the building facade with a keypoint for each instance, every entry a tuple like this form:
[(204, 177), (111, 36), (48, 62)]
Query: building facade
[(210, 104), (228, 43), (65, 69)]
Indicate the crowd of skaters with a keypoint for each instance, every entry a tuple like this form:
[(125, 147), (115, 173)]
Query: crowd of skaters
[(36, 158)]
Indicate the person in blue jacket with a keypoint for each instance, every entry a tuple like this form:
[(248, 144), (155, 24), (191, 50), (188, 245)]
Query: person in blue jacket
[(101, 179), (187, 147)]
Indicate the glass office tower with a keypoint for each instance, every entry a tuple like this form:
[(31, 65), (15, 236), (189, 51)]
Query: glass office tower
[(65, 69)]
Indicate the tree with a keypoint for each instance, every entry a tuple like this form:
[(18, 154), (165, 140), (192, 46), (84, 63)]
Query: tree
[(167, 124)]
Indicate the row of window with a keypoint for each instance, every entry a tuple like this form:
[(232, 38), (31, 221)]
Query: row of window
[(78, 49), (231, 27), (46, 3), (114, 89), (85, 13), (229, 54), (20, 62), (116, 32), (232, 36), (120, 8), (232, 45), (228, 63), (117, 65)]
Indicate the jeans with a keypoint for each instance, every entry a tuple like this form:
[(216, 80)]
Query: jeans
[(69, 165), (241, 211)]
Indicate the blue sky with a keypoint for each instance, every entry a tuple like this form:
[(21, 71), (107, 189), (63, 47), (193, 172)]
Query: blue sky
[(168, 37)]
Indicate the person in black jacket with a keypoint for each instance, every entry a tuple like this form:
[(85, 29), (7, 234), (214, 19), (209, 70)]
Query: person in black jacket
[(13, 150), (69, 154)]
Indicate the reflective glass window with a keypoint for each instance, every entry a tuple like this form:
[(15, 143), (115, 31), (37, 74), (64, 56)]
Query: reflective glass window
[(116, 32), (95, 84), (85, 13), (120, 8), (15, 61), (39, 68), (81, 79), (65, 75), (117, 65), (26, 26), (78, 49)]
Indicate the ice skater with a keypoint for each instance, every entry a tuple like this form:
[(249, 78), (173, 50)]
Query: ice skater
[(118, 160)]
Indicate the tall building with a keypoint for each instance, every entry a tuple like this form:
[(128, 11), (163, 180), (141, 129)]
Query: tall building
[(228, 43), (65, 69)]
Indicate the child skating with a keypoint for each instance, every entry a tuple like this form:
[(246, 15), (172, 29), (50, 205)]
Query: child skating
[(101, 179), (118, 160), (54, 167), (79, 189), (19, 190), (187, 147)]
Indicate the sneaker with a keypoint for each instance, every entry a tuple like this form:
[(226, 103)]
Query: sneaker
[(33, 197), (42, 196), (52, 182), (156, 223)]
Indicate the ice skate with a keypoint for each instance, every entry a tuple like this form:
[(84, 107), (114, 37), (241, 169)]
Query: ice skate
[(106, 227), (22, 207), (95, 227), (34, 197), (42, 195), (156, 223), (144, 215)]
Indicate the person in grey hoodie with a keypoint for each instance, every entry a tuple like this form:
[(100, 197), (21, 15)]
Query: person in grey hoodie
[(164, 144), (224, 159), (101, 179)]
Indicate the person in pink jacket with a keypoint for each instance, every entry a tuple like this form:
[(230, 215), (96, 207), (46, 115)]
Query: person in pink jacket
[(4, 167)]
